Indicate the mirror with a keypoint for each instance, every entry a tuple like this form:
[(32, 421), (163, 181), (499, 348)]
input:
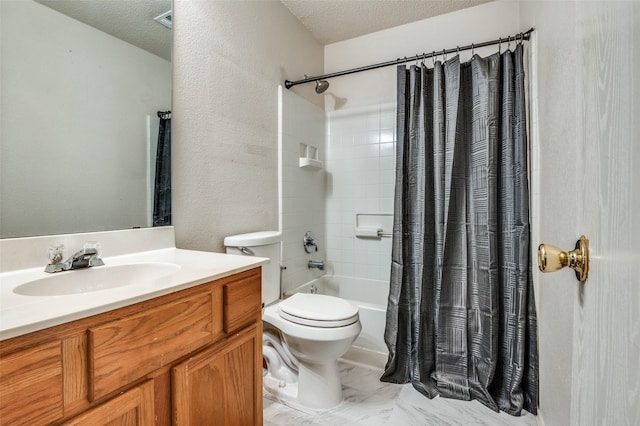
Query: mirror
[(81, 86)]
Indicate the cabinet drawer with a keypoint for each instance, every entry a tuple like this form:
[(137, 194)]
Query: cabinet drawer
[(242, 302), (31, 386), (125, 350)]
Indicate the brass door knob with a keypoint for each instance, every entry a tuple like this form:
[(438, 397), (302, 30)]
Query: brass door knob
[(551, 258)]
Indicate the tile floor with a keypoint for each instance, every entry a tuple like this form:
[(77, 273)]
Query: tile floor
[(370, 402)]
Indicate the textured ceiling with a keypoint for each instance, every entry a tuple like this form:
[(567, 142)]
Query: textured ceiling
[(328, 20), (131, 21), (336, 20)]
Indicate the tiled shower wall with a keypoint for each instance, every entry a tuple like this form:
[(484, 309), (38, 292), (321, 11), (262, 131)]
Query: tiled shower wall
[(357, 148), (302, 190), (360, 179)]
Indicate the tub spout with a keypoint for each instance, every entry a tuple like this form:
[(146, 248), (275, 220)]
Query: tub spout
[(316, 264)]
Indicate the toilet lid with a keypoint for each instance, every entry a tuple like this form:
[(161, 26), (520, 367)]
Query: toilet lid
[(318, 310)]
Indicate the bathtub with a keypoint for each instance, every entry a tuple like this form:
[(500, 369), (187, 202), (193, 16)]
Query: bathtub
[(371, 298)]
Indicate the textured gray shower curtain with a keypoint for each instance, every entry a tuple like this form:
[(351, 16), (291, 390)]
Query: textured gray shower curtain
[(162, 188), (461, 318)]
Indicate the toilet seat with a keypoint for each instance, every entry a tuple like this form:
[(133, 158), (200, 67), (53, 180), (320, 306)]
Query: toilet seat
[(318, 310)]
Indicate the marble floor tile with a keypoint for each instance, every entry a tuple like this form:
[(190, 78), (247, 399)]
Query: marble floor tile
[(370, 402)]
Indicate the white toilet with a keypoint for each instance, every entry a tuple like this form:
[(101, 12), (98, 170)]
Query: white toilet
[(304, 335)]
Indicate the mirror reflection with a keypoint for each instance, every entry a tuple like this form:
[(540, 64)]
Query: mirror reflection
[(82, 85)]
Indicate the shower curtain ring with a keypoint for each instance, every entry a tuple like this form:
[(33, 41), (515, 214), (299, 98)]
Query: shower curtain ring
[(500, 45), (509, 43), (444, 55), (473, 48), (458, 50), (521, 38), (433, 58)]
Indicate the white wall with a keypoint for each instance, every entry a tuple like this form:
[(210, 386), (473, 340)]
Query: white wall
[(361, 147), (72, 95), (481, 23), (302, 189), (229, 58)]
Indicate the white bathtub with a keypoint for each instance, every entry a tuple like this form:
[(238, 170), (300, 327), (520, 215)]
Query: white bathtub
[(371, 298)]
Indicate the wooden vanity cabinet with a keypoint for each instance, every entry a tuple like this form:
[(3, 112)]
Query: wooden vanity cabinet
[(193, 357)]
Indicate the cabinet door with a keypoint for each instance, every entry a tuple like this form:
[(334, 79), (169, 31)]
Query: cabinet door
[(31, 386), (221, 385), (131, 408)]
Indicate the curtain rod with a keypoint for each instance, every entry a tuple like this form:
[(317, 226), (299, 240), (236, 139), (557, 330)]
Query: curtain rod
[(521, 37)]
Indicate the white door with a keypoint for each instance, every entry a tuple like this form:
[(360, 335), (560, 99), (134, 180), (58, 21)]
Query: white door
[(586, 180), (606, 339)]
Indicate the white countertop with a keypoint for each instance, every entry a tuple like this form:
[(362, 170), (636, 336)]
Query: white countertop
[(24, 314)]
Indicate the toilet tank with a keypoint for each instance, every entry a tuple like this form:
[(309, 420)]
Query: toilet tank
[(261, 244)]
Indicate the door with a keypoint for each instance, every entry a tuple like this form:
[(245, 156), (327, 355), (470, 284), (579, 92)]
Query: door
[(586, 180), (606, 339)]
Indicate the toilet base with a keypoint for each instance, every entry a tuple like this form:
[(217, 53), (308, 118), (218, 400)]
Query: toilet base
[(318, 388)]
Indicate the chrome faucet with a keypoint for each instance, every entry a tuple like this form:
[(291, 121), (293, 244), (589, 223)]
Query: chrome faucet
[(316, 264), (82, 259)]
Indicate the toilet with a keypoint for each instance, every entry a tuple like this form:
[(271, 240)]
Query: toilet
[(304, 334)]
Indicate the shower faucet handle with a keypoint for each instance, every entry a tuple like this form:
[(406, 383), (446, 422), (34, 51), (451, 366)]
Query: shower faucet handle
[(309, 242)]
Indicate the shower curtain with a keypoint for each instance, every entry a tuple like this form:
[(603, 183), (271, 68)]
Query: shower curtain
[(461, 319), (162, 191)]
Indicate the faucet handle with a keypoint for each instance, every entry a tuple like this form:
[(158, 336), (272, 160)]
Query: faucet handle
[(91, 245), (96, 261), (309, 242), (56, 254)]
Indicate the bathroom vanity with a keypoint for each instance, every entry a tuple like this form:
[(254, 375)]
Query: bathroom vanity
[(182, 350)]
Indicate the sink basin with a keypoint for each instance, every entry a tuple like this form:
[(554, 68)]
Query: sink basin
[(96, 278)]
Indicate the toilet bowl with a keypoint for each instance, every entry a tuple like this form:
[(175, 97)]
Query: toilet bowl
[(317, 330), (304, 335)]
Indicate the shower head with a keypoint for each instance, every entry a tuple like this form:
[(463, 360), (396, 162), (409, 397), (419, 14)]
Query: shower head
[(321, 86)]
